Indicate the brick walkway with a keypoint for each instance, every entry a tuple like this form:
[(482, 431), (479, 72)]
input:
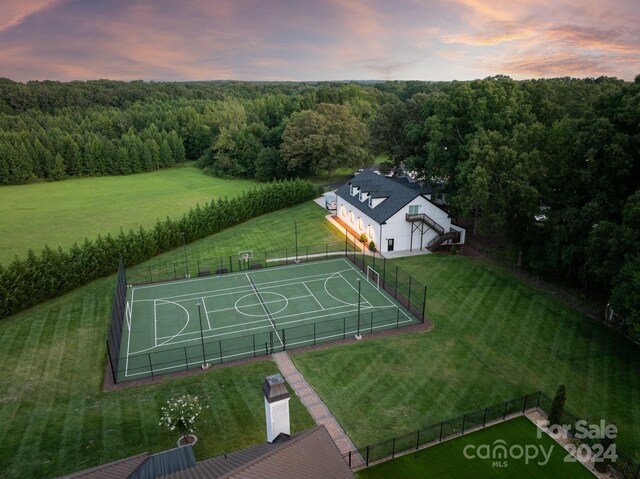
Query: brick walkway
[(318, 410)]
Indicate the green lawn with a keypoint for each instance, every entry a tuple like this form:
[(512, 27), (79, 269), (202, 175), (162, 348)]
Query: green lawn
[(63, 212), (54, 419), (495, 338), (448, 460)]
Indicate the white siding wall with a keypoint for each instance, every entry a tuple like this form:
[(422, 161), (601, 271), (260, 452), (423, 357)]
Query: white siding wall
[(366, 221), (397, 227)]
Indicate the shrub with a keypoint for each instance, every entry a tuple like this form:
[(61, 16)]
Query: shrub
[(557, 407), (372, 246), (363, 238), (181, 413), (453, 250)]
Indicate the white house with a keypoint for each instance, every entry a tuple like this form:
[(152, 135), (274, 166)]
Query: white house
[(394, 213)]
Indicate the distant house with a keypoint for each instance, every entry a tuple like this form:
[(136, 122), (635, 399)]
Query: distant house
[(395, 213)]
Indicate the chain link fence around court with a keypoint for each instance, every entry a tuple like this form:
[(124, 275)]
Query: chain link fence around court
[(389, 449), (406, 290)]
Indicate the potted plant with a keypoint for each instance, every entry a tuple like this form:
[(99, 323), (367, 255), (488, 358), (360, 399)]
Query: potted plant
[(181, 413)]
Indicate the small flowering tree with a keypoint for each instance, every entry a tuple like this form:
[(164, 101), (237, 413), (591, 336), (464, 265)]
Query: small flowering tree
[(181, 412)]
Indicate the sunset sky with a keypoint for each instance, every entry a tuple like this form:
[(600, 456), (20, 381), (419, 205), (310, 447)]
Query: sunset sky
[(179, 40)]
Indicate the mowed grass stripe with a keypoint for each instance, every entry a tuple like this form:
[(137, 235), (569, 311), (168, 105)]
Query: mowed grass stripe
[(500, 339), (53, 363)]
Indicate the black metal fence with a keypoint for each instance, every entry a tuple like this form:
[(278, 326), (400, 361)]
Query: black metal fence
[(624, 465), (405, 289), (220, 351), (117, 317), (172, 271), (387, 450)]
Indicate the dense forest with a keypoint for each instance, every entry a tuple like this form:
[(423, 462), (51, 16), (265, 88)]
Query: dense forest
[(552, 166)]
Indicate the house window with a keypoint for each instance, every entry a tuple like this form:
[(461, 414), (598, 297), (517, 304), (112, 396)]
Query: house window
[(360, 227), (413, 209), (370, 232), (351, 216), (343, 211)]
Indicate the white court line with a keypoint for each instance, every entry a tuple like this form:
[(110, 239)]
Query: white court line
[(314, 296), (264, 306), (237, 273), (242, 288), (354, 288), (285, 323), (155, 325), (359, 271), (126, 363), (206, 313)]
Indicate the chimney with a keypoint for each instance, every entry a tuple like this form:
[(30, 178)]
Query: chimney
[(276, 406)]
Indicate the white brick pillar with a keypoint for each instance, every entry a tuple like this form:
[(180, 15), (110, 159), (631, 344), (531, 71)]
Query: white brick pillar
[(276, 407)]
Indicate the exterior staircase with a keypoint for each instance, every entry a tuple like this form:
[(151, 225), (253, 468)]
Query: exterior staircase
[(442, 235)]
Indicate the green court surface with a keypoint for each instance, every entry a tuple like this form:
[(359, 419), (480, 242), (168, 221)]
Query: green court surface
[(250, 313)]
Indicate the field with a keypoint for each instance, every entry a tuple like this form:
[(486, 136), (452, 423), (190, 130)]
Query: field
[(63, 212), (448, 460), (494, 338), (52, 364)]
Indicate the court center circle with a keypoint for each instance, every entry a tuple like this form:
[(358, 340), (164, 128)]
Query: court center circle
[(249, 304)]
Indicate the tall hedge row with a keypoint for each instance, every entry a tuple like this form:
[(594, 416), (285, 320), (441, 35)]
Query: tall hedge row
[(37, 278)]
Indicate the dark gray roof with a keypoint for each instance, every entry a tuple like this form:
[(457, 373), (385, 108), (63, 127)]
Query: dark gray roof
[(114, 470), (311, 454), (397, 191), (165, 462)]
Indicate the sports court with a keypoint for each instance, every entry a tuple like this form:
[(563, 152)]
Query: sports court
[(250, 313)]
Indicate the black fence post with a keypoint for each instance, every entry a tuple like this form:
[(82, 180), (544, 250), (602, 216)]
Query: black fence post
[(398, 318), (113, 367), (151, 365), (349, 458), (538, 401), (150, 275), (254, 345), (504, 415), (284, 340), (271, 340), (346, 242), (484, 419), (393, 448), (175, 272), (418, 440), (220, 348), (384, 271), (395, 292), (344, 327), (440, 432), (186, 358), (367, 456), (266, 349), (409, 299), (524, 406), (424, 303), (464, 416), (314, 333)]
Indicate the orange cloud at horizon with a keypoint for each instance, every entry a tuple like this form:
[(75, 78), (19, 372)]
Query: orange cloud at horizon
[(316, 39)]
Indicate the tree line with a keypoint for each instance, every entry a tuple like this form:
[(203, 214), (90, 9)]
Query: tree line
[(249, 135), (553, 166), (39, 277)]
